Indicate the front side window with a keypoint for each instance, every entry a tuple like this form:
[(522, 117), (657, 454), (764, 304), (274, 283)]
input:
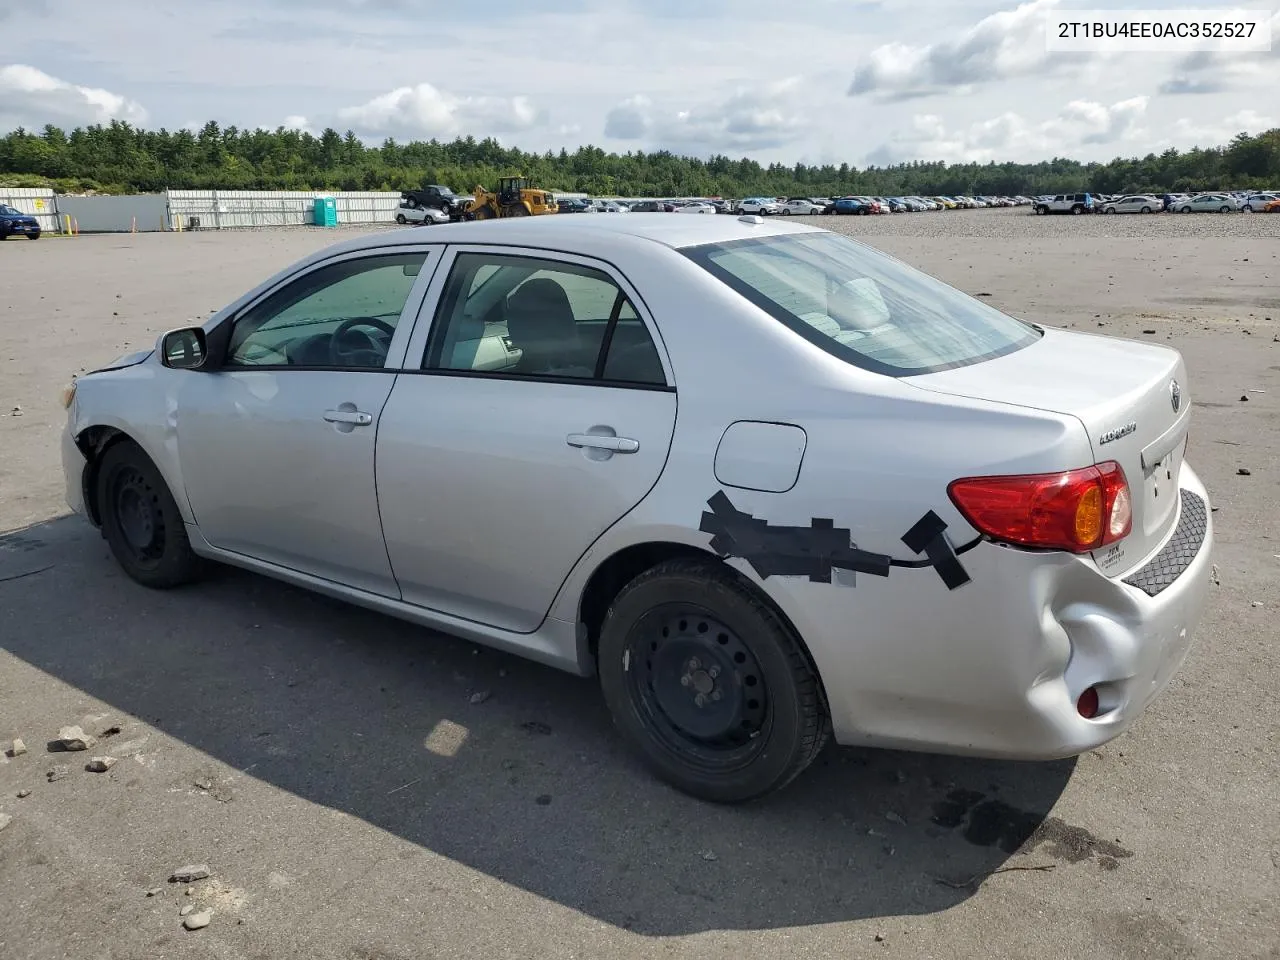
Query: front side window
[(340, 316), (531, 317), (861, 305)]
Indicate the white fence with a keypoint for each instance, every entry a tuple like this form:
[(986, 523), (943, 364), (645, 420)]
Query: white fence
[(37, 201), (224, 209)]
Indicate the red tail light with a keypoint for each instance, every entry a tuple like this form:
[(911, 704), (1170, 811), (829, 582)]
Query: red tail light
[(1079, 510)]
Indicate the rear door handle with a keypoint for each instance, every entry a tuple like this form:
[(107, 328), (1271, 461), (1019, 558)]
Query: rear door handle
[(354, 417), (597, 442)]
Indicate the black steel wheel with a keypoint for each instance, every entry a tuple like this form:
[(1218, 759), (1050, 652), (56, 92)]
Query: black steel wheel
[(140, 520), (708, 684)]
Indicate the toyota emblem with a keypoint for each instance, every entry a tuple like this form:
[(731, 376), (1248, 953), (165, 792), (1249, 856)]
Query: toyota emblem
[(1175, 395)]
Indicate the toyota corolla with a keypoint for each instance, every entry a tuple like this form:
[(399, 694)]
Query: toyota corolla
[(768, 485)]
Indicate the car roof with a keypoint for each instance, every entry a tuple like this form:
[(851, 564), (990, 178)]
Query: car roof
[(580, 232)]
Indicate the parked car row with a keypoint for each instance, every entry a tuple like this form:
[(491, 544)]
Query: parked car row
[(1237, 201), (790, 206)]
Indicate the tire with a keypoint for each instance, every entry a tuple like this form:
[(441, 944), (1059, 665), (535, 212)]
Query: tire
[(1246, 209), (698, 622), (1224, 209), (785, 211), (33, 236), (517, 210), (1077, 209), (1186, 209), (141, 521), (1146, 210), (1109, 210), (400, 218)]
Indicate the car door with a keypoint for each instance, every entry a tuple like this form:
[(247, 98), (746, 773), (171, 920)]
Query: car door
[(541, 411), (276, 440)]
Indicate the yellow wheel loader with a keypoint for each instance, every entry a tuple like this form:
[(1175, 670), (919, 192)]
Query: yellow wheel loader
[(513, 198)]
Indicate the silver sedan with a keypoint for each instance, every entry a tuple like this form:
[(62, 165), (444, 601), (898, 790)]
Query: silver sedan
[(767, 484)]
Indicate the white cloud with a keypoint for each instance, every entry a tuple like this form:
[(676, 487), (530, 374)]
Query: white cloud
[(1001, 46), (297, 122), (1209, 71), (1187, 133), (426, 111), (31, 98), (1010, 136), (750, 118)]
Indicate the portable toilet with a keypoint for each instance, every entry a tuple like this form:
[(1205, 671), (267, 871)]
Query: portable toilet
[(326, 212)]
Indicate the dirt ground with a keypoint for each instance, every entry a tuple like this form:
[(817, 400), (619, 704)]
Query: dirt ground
[(350, 801)]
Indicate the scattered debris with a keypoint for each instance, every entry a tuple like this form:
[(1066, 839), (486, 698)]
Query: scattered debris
[(480, 696), (57, 772), (15, 412), (17, 748), (154, 892), (198, 921), (983, 294), (189, 892), (978, 878), (1255, 603), (101, 764), (873, 832), (192, 871), (894, 818), (1148, 331), (111, 731), (536, 726), (879, 938), (1244, 472), (543, 800), (72, 738), (186, 910), (24, 793), (1244, 398), (900, 776), (1214, 575), (709, 855), (5, 820), (404, 786)]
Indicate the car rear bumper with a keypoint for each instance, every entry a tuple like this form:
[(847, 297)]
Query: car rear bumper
[(995, 668)]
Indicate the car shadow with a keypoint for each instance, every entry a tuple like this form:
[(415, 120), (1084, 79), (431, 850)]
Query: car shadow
[(508, 767)]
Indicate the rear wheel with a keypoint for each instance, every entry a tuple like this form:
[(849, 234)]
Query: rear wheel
[(1146, 209), (34, 236), (1077, 209), (517, 210), (141, 521), (400, 218), (1224, 209), (708, 684)]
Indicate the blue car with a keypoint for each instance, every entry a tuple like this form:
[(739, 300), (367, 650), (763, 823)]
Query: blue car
[(853, 205), (15, 223)]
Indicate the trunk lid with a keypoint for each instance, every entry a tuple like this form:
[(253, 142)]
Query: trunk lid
[(1131, 397)]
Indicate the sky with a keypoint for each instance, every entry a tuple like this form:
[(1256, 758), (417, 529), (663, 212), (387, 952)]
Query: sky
[(796, 81)]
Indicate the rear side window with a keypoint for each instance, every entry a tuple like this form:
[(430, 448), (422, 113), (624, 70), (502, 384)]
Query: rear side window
[(861, 305)]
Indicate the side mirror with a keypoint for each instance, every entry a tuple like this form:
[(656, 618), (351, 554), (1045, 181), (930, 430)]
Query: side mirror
[(184, 349)]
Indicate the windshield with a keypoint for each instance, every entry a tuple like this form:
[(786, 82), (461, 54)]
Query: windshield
[(9, 211), (861, 305)]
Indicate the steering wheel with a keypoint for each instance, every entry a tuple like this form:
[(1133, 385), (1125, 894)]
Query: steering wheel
[(371, 349)]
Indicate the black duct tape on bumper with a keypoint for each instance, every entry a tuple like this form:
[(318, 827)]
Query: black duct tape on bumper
[(822, 549)]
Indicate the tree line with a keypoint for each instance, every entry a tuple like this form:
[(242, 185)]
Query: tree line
[(121, 158)]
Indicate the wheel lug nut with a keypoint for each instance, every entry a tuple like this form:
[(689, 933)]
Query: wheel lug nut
[(714, 672), (685, 681), (700, 700), (694, 664), (715, 694)]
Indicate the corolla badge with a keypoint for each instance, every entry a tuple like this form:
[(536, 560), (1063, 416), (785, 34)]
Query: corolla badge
[(1118, 432), (1175, 395)]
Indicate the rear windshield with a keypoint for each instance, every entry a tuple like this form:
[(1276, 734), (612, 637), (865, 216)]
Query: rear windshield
[(861, 305)]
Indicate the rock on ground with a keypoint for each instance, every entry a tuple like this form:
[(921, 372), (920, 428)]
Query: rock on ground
[(101, 764), (74, 738), (192, 871), (196, 921)]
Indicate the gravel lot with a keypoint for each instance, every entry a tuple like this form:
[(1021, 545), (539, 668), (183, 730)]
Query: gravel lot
[(351, 802)]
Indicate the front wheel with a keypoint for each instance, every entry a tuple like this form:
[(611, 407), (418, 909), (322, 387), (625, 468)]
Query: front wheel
[(1146, 209), (140, 520), (400, 218), (1077, 209), (708, 684), (1224, 209), (33, 236)]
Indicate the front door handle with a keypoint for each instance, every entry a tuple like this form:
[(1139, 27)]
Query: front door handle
[(594, 441), (354, 417)]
